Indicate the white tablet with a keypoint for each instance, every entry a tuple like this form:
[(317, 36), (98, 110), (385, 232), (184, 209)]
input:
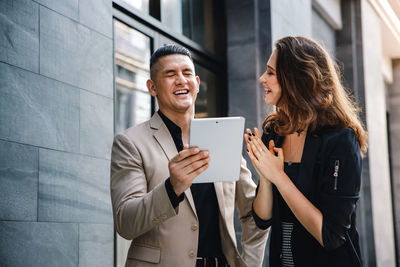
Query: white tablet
[(223, 138)]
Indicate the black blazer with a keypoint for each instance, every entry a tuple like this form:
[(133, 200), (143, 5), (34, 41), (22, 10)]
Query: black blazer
[(330, 175)]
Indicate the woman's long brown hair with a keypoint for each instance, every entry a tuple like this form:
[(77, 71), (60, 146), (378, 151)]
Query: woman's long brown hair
[(312, 93)]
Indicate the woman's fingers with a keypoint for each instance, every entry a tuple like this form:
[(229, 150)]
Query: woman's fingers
[(254, 144), (280, 153), (271, 146)]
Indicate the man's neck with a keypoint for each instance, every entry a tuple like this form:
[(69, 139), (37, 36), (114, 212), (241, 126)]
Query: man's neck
[(180, 119)]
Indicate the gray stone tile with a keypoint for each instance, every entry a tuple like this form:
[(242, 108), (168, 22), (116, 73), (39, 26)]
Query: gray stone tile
[(73, 188), (96, 245), (38, 111), (38, 244), (19, 182), (241, 62), (68, 8), (19, 28), (97, 15), (72, 53), (96, 125)]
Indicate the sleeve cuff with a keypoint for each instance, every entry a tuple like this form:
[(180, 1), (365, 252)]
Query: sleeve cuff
[(330, 239), (175, 200), (262, 224)]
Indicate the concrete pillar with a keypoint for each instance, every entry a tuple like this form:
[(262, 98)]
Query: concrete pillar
[(393, 102), (349, 51), (375, 104)]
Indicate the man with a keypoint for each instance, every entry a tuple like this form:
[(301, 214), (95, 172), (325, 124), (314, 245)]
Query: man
[(170, 221)]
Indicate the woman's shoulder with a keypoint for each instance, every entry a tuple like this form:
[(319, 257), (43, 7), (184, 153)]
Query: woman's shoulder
[(340, 139), (338, 134)]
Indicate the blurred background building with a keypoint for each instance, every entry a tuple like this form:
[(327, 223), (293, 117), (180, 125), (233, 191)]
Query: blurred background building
[(73, 72)]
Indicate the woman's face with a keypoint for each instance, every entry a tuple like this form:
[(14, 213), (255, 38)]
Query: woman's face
[(270, 81)]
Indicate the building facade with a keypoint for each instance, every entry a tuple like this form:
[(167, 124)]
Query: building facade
[(73, 73)]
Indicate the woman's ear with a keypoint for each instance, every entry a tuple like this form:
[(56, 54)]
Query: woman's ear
[(151, 87)]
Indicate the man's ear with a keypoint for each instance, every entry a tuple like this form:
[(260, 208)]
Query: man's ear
[(151, 87), (198, 83)]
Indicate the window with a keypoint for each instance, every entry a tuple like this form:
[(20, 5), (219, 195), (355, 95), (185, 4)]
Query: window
[(206, 102), (131, 56), (202, 21)]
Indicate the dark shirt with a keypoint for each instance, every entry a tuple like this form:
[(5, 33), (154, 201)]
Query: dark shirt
[(205, 201)]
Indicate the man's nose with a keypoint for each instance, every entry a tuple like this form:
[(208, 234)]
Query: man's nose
[(180, 78)]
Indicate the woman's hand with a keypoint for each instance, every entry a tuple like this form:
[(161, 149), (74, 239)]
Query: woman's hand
[(267, 165)]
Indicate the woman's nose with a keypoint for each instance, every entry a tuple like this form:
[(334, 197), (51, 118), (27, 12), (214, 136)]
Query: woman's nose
[(261, 79)]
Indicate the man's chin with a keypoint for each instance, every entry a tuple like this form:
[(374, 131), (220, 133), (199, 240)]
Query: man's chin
[(185, 108)]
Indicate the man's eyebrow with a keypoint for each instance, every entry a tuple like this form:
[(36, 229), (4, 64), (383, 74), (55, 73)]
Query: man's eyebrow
[(268, 66), (168, 71)]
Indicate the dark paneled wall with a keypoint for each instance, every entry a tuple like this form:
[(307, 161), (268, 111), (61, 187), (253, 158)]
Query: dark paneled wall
[(349, 51), (248, 49)]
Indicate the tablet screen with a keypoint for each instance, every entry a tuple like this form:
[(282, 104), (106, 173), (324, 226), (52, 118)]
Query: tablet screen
[(223, 138)]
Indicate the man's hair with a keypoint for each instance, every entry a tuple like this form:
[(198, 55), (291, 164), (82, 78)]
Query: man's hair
[(166, 50)]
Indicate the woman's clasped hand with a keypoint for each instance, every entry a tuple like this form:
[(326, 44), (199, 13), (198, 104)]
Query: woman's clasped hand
[(268, 162)]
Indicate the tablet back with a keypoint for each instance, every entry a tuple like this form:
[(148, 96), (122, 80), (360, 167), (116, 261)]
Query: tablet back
[(223, 138)]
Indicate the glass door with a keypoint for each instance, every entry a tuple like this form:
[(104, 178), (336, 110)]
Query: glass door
[(132, 101), (133, 104)]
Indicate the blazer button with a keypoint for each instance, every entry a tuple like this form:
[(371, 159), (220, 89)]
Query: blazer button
[(195, 227), (192, 254)]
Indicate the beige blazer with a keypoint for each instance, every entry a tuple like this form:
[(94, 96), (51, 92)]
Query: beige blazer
[(160, 234)]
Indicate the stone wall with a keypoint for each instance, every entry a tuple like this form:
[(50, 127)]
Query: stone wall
[(56, 129)]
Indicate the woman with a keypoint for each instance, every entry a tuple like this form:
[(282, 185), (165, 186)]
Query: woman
[(308, 159)]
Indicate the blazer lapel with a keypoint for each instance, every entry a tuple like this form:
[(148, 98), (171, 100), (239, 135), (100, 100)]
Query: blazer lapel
[(189, 197), (308, 161), (219, 191), (164, 139), (163, 136)]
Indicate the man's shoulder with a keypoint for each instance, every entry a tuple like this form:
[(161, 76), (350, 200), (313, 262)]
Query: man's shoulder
[(136, 132), (141, 127)]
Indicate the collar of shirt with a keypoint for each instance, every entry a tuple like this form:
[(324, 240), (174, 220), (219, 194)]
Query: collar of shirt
[(174, 130)]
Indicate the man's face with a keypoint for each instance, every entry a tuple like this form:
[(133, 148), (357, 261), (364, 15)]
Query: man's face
[(175, 84)]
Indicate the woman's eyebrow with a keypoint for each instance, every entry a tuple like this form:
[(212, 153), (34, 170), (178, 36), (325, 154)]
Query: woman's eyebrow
[(268, 66)]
